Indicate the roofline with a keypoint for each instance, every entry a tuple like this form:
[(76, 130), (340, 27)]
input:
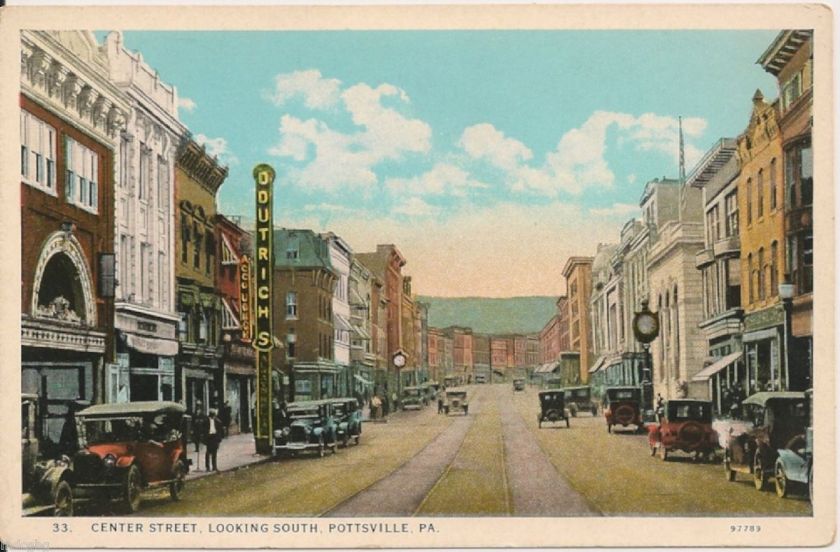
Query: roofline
[(573, 261)]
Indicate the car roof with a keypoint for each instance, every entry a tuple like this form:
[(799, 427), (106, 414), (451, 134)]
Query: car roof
[(302, 405), (411, 387), (456, 390), (576, 387), (764, 396), (687, 401), (545, 391), (132, 408)]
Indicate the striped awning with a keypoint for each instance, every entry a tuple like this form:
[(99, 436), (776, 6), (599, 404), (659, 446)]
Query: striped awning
[(714, 368)]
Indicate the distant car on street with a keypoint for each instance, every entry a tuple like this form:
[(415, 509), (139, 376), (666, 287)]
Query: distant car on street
[(580, 399), (552, 407), (413, 398), (481, 378), (456, 401), (311, 426), (348, 417), (519, 384), (777, 421), (622, 406), (686, 425)]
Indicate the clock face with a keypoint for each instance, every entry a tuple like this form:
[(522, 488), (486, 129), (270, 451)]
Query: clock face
[(399, 360), (647, 327)]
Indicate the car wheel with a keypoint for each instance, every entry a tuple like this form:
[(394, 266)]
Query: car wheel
[(131, 489), (63, 500), (357, 438), (781, 481), (321, 448), (663, 453), (652, 449), (176, 487), (335, 444), (727, 466), (759, 477), (345, 440)]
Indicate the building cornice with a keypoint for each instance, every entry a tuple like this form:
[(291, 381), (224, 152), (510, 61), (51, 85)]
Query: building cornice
[(205, 169)]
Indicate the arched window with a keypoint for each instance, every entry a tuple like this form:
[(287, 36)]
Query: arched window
[(750, 287), (762, 289), (760, 190), (774, 268)]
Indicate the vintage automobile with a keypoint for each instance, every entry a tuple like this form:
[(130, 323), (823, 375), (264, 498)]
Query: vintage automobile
[(622, 407), (310, 425), (128, 447), (46, 482), (348, 417), (777, 420), (519, 384), (580, 398), (481, 378), (553, 382), (552, 407), (795, 464), (456, 401), (430, 390), (450, 381), (413, 398), (686, 425)]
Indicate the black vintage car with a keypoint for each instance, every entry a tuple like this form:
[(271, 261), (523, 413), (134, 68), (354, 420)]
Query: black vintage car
[(622, 406), (580, 398), (309, 425), (776, 420), (552, 407), (348, 418), (519, 384)]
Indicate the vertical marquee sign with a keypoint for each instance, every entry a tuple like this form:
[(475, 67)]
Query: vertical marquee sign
[(245, 303), (263, 341)]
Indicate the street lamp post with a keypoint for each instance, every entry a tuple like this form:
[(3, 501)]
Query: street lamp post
[(786, 291), (646, 329)]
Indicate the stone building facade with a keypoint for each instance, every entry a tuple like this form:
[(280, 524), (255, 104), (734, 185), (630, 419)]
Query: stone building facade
[(71, 117), (578, 275)]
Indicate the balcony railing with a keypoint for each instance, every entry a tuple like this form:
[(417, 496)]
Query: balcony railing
[(703, 258), (727, 246)]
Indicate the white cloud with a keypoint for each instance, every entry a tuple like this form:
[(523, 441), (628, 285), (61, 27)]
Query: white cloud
[(326, 208), (616, 210), (316, 91), (187, 104), (217, 147), (415, 207), (331, 159), (484, 141), (443, 178)]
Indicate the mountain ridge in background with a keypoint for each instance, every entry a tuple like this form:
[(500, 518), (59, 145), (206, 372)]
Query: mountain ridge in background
[(491, 315)]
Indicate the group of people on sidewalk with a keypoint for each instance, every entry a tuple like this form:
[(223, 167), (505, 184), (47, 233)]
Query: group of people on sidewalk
[(209, 430), (381, 405)]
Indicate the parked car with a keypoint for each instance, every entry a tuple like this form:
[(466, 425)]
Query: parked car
[(552, 383), (456, 401), (519, 384), (552, 407), (348, 417), (777, 419), (310, 425), (481, 378), (450, 381), (795, 464), (580, 398), (46, 482), (686, 425), (413, 398), (126, 448), (622, 406)]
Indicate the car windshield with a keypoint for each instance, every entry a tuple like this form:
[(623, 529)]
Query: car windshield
[(583, 393), (411, 392), (456, 394), (698, 411), (622, 394), (303, 413), (338, 410), (551, 397), (112, 431), (794, 411)]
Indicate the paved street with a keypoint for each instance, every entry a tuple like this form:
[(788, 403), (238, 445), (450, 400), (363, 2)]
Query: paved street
[(494, 462)]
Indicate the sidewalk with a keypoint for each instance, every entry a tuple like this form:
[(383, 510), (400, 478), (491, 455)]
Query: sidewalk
[(235, 452)]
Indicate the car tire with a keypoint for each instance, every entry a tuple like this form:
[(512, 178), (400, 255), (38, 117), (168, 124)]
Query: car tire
[(176, 487), (782, 483), (357, 438), (345, 440), (727, 466), (663, 453), (132, 486), (759, 475), (63, 500)]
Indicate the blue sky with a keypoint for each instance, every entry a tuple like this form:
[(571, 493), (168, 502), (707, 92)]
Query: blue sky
[(471, 150)]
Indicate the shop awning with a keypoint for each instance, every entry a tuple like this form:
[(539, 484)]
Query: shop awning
[(362, 380), (712, 369), (240, 369), (341, 323), (599, 364), (152, 345), (548, 367), (360, 332)]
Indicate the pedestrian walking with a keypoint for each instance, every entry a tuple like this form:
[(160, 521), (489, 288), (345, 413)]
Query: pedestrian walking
[(213, 440), (225, 417), (376, 407), (198, 422), (440, 402)]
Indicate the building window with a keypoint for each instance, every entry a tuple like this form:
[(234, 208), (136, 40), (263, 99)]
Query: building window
[(291, 305), (791, 90), (209, 251), (145, 161), (291, 342), (123, 161), (183, 326), (203, 327), (799, 173), (293, 250), (162, 183), (774, 268), (713, 224), (733, 283), (773, 186), (761, 280), (185, 237), (37, 152), (760, 191), (198, 236), (81, 171), (731, 203), (749, 193), (750, 279)]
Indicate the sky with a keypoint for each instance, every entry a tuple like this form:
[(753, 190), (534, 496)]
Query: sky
[(487, 157)]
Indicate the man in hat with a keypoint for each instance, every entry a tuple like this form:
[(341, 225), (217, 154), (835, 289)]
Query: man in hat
[(213, 439)]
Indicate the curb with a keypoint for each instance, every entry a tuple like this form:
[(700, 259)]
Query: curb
[(202, 474)]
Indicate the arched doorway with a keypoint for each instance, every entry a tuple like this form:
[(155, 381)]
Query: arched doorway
[(62, 287)]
